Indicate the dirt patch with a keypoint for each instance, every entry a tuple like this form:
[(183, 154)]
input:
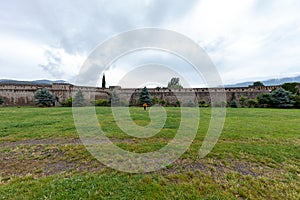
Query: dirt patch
[(51, 156)]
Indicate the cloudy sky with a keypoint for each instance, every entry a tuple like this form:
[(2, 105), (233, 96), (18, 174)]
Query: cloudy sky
[(246, 40)]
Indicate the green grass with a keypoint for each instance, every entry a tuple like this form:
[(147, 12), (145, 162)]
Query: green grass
[(256, 157)]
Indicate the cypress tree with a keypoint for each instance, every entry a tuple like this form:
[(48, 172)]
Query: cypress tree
[(103, 81)]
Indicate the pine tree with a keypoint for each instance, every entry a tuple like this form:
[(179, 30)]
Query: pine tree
[(114, 99), (145, 97), (79, 99), (103, 81), (282, 98), (44, 98)]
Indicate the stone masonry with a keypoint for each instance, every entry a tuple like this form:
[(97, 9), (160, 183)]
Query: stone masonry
[(23, 95)]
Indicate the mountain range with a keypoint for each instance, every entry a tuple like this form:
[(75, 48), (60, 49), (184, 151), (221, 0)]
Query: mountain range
[(269, 82), (35, 82)]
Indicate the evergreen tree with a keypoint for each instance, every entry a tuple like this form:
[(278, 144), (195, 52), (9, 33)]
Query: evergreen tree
[(145, 97), (282, 98), (44, 97), (103, 81), (279, 98), (79, 99), (191, 103), (114, 99)]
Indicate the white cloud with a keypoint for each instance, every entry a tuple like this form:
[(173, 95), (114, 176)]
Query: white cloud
[(247, 39), (60, 64)]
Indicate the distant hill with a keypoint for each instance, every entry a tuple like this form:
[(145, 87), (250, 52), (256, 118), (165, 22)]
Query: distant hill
[(269, 82), (36, 82)]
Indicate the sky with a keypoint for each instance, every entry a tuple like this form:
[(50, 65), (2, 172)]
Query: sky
[(246, 40)]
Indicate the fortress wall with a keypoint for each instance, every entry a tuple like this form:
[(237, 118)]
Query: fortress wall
[(19, 95), (23, 95)]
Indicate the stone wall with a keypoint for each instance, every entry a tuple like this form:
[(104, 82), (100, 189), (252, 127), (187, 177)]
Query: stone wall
[(23, 95)]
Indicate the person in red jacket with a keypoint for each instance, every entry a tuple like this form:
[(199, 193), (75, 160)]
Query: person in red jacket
[(145, 106)]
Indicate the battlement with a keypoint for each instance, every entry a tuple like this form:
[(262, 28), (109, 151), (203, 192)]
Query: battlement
[(23, 94)]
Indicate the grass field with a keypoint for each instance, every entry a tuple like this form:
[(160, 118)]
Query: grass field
[(256, 157)]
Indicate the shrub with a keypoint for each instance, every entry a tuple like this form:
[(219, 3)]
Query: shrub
[(155, 100), (1, 101), (233, 104), (252, 103), (67, 103), (177, 104), (100, 102), (164, 103), (297, 101), (265, 99), (242, 100), (202, 103)]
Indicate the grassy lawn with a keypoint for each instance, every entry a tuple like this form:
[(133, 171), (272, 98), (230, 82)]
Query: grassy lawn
[(256, 157)]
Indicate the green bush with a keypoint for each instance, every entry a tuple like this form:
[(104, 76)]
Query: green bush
[(100, 102), (177, 104), (202, 103), (252, 103), (164, 103), (265, 100), (155, 100), (233, 104), (243, 100), (68, 102)]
